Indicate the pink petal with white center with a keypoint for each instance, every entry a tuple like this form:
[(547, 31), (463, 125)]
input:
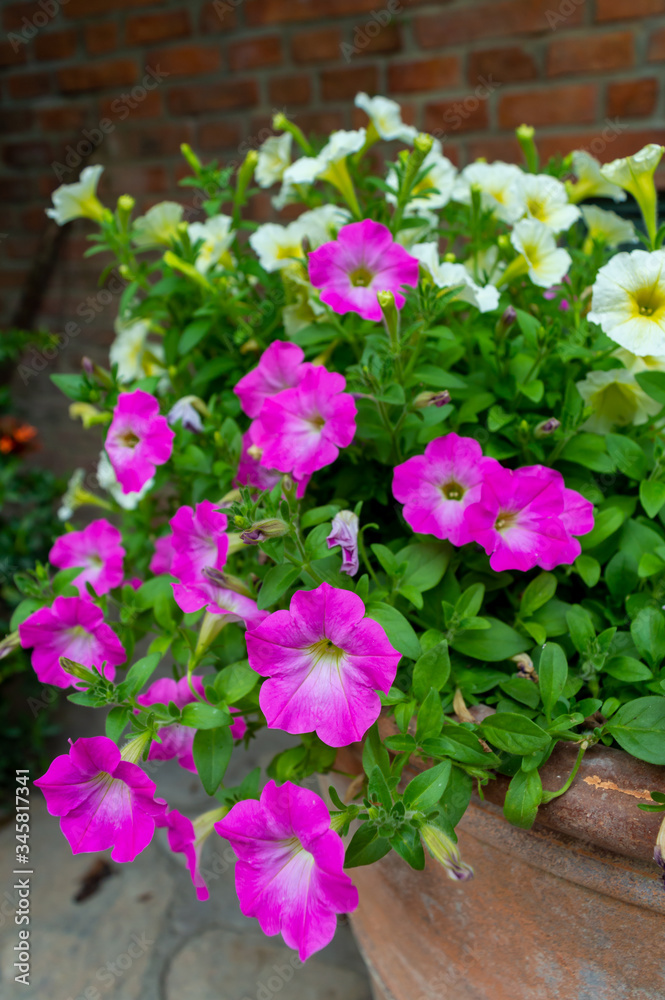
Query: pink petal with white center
[(199, 539), (282, 366), (98, 550), (138, 439)]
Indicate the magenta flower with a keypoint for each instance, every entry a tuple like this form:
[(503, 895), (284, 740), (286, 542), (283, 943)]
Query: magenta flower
[(361, 262), (301, 430), (527, 518), (325, 662), (437, 488), (251, 473), (103, 801), (199, 539), (138, 439), (176, 740), (289, 873), (75, 628), (163, 556), (345, 534), (188, 838), (97, 550), (218, 600), (282, 366)]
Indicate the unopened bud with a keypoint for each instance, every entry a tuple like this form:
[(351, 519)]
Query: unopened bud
[(659, 850), (525, 666), (87, 365), (226, 580), (423, 143), (546, 427), (424, 399), (444, 850), (90, 677), (507, 320), (8, 644), (261, 531), (449, 257)]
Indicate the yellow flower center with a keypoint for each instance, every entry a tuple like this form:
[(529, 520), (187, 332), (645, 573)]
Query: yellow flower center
[(650, 301), (361, 277), (128, 439), (289, 251), (505, 520), (453, 490)]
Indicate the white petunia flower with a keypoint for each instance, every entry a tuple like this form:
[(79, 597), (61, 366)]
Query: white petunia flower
[(434, 190), (131, 352), (486, 266), (309, 168), (276, 245), (590, 182), (448, 275), (274, 158), (545, 199), (628, 171), (608, 227), (320, 225), (217, 236), (634, 364), (106, 478), (497, 183), (541, 258), (616, 399), (628, 301), (78, 200), (158, 227), (386, 117)]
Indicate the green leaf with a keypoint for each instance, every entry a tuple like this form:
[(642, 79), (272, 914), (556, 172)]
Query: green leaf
[(627, 455), (277, 580), (589, 569), (407, 843), (200, 715), (532, 390), (514, 733), (653, 384), (235, 681), (607, 521), (374, 753), (581, 627), (212, 753), (652, 496), (552, 675), (639, 727), (521, 689), (588, 450), (317, 515), (628, 669), (538, 592), (138, 675), (366, 847), (116, 722), (469, 603), (462, 745), (192, 334), (71, 385), (431, 670), (498, 642), (648, 633), (378, 792), (399, 631), (401, 744), (23, 611), (388, 559), (424, 791), (523, 797), (426, 562), (430, 716)]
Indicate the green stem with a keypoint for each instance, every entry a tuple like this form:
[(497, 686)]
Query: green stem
[(548, 796)]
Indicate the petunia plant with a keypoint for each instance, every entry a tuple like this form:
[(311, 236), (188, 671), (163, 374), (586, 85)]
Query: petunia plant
[(389, 471)]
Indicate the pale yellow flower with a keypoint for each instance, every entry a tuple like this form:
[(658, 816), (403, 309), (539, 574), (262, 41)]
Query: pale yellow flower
[(616, 400), (628, 301), (78, 200)]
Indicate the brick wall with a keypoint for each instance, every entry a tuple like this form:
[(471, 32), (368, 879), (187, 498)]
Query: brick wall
[(129, 80)]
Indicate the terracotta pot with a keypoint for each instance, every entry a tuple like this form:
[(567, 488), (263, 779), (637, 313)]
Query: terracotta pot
[(572, 909)]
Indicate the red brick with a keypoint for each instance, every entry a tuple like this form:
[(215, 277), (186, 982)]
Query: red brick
[(97, 76), (27, 154), (34, 219), (282, 11), (151, 143), (253, 53), (617, 10), (591, 53), (56, 45), (316, 46), (507, 65), (22, 247), (101, 37), (632, 98), (66, 118), (605, 143), (90, 8), (468, 114), (427, 74), (12, 55), (158, 27), (494, 19), (16, 121), (186, 60), (386, 40), (657, 46), (139, 179), (569, 105), (18, 16), (217, 16), (288, 90), (344, 84), (219, 135), (30, 85), (139, 103), (15, 189), (500, 148), (320, 123), (195, 100)]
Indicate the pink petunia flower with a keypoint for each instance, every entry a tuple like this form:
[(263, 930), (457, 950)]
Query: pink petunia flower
[(163, 556), (251, 473), (176, 740), (289, 873), (437, 488), (199, 539), (526, 518), (301, 430), (98, 550), (345, 534), (362, 261), (325, 662), (218, 600), (75, 628), (138, 439), (188, 837), (282, 366), (103, 800)]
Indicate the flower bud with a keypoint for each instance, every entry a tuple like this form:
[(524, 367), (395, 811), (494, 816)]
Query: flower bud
[(525, 136), (87, 365), (504, 324), (546, 427), (190, 156), (261, 531), (90, 677), (449, 257), (444, 850), (659, 849), (424, 399), (8, 644), (88, 414), (221, 579), (525, 666)]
